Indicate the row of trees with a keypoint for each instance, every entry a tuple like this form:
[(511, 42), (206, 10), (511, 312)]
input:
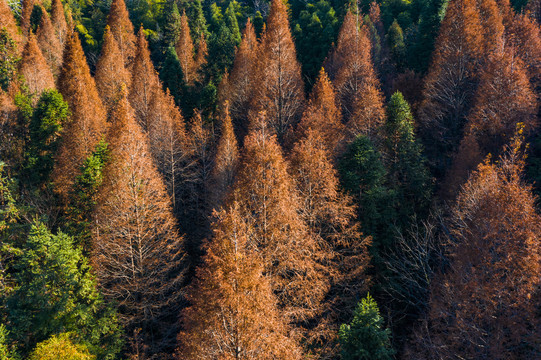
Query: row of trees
[(254, 229)]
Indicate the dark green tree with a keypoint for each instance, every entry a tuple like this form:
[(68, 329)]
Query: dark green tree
[(395, 40), (172, 24), (8, 59), (365, 338), (172, 77), (6, 350)]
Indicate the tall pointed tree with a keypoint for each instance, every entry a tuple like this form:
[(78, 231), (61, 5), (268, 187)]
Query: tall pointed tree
[(234, 314), (280, 89), (201, 55), (483, 305), (37, 73), (121, 27), (58, 18), (87, 123), (357, 87), (49, 43), (137, 251), (26, 14), (8, 22), (323, 114), (238, 87), (185, 51), (110, 71)]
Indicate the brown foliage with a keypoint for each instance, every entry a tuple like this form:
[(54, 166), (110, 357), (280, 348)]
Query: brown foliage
[(8, 21), (343, 252), (143, 82), (110, 71), (11, 141), (234, 313), (37, 74), (238, 87), (323, 115), (185, 51), (354, 78), (121, 27), (269, 203), (137, 251), (26, 13), (483, 306), (49, 43), (201, 55), (87, 123), (279, 90), (58, 19)]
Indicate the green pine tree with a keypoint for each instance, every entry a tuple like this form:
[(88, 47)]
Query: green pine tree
[(172, 25)]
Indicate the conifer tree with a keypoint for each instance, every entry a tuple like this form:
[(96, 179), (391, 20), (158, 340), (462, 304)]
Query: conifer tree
[(144, 80), (280, 89), (58, 18), (137, 251), (185, 51), (8, 22), (356, 84), (483, 305), (226, 160), (269, 203), (234, 314), (87, 123), (238, 87), (37, 73), (110, 71), (11, 143), (26, 14), (121, 27), (171, 29), (49, 43), (323, 114), (450, 82), (201, 56)]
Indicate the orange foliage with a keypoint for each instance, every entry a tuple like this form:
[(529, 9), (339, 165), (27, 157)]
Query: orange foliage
[(58, 19), (49, 43), (8, 21), (185, 51), (37, 74), (121, 27)]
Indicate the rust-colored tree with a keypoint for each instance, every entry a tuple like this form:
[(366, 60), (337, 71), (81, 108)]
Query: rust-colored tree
[(483, 306), (185, 51), (234, 314), (143, 82), (12, 144), (87, 123), (122, 29), (330, 215), (8, 22), (58, 18), (201, 55), (226, 161), (49, 43), (137, 251), (110, 71), (269, 203), (451, 82), (357, 87), (237, 88), (279, 90), (323, 115), (26, 14), (37, 74)]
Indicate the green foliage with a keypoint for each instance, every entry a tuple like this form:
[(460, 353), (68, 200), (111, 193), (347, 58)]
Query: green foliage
[(196, 17), (171, 29), (223, 43), (70, 302), (8, 59), (171, 75), (258, 22), (365, 338), (47, 121), (6, 350), (60, 347), (85, 192), (395, 39)]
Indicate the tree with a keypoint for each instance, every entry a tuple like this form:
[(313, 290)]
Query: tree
[(60, 347), (185, 51), (395, 39), (331, 217), (37, 73), (121, 27), (87, 121), (58, 19), (172, 26), (144, 80), (238, 87), (11, 140), (49, 43), (45, 128), (110, 71), (26, 13), (483, 305), (137, 250), (364, 337), (7, 352), (233, 312), (9, 59), (356, 84), (226, 160), (450, 82), (72, 302), (10, 25), (323, 115), (269, 203), (280, 89)]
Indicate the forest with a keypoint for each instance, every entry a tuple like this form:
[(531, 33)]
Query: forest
[(270, 179)]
